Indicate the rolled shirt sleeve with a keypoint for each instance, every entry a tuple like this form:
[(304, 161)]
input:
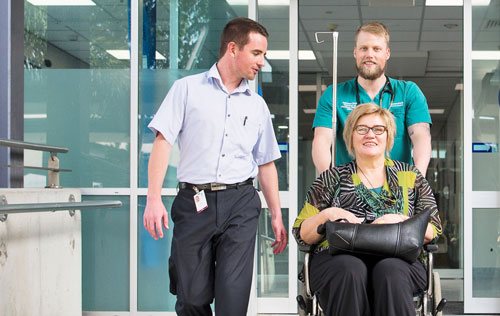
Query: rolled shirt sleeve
[(417, 110), (323, 116)]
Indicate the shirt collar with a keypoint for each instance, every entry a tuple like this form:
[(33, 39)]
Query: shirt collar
[(214, 73)]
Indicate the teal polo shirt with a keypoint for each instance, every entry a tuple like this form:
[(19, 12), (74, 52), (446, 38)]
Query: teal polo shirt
[(409, 107)]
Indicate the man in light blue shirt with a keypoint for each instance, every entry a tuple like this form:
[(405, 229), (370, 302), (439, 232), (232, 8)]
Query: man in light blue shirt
[(225, 138)]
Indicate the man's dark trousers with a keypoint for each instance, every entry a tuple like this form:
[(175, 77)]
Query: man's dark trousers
[(212, 251)]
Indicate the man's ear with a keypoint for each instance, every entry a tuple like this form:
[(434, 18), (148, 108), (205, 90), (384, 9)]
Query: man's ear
[(232, 48), (354, 52), (388, 53)]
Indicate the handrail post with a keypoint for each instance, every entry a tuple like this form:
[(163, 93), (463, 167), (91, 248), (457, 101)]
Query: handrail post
[(3, 201), (71, 199), (53, 174)]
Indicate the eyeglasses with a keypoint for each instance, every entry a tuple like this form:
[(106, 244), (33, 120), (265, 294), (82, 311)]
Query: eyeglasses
[(377, 129)]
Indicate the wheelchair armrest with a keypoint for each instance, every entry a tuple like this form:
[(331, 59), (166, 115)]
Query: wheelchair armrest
[(431, 247), (306, 248)]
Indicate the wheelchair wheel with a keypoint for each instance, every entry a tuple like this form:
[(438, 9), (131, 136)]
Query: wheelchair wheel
[(437, 292), (302, 311)]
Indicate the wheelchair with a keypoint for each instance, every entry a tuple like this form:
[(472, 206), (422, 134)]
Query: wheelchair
[(427, 303)]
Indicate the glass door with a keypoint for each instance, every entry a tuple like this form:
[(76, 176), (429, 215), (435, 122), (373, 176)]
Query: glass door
[(276, 276), (482, 160)]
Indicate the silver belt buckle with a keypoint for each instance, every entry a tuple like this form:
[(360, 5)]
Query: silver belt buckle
[(217, 186)]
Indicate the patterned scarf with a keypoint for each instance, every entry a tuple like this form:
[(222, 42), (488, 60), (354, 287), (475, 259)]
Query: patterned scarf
[(387, 202)]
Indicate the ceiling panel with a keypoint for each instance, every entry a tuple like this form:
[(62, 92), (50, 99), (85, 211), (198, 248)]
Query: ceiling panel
[(418, 3), (403, 46), (379, 13), (452, 64), (446, 54), (442, 36), (310, 3), (442, 45), (404, 36), (442, 25), (329, 12), (398, 25), (443, 13), (318, 25)]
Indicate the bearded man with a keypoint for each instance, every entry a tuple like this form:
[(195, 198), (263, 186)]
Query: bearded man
[(404, 99)]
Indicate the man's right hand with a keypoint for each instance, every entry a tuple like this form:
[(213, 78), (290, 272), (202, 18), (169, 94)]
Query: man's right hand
[(155, 215)]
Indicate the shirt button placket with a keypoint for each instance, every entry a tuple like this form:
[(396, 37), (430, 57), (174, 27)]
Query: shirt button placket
[(225, 132)]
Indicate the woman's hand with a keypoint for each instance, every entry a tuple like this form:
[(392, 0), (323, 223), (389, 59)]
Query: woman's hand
[(309, 227), (335, 213), (390, 219)]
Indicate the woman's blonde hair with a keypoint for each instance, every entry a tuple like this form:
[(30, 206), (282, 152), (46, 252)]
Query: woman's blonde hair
[(366, 109)]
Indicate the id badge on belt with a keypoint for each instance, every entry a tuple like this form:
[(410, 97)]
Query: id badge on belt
[(200, 200)]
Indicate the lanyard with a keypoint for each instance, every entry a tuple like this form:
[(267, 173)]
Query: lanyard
[(387, 88)]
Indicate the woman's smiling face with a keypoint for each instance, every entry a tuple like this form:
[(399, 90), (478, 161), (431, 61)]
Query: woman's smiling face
[(369, 145)]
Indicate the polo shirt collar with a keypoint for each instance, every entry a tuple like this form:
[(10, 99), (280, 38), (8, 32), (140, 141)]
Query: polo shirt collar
[(214, 73)]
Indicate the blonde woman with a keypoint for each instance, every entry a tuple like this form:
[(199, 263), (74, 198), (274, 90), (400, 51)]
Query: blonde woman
[(371, 189)]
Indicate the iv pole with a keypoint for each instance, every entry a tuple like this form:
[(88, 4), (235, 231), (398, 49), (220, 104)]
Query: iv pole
[(335, 36)]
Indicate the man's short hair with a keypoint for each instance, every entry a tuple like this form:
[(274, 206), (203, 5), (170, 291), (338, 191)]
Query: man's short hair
[(366, 109), (237, 31), (376, 28)]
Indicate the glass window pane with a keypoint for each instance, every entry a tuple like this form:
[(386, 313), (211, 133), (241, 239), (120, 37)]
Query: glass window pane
[(106, 256), (153, 281), (273, 82), (485, 125), (272, 270), (485, 32), (77, 91), (184, 41), (486, 252)]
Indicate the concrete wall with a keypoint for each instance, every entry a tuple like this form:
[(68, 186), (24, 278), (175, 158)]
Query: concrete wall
[(40, 257)]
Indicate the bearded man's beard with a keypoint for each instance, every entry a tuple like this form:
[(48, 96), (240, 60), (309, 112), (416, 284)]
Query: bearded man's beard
[(370, 74)]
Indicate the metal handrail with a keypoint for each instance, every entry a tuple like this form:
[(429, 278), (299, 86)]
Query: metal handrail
[(53, 163), (33, 146), (36, 168), (53, 207)]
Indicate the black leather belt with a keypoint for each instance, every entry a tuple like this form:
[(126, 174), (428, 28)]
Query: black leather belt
[(214, 186)]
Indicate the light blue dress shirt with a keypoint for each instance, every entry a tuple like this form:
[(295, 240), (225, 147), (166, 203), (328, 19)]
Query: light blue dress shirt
[(223, 137)]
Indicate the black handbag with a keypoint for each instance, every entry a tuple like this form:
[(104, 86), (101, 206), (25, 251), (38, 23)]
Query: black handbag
[(402, 240)]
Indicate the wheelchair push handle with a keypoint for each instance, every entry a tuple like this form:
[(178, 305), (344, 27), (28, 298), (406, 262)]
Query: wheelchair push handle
[(431, 247), (321, 229)]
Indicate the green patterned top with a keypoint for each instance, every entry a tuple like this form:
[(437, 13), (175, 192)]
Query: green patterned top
[(405, 191)]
